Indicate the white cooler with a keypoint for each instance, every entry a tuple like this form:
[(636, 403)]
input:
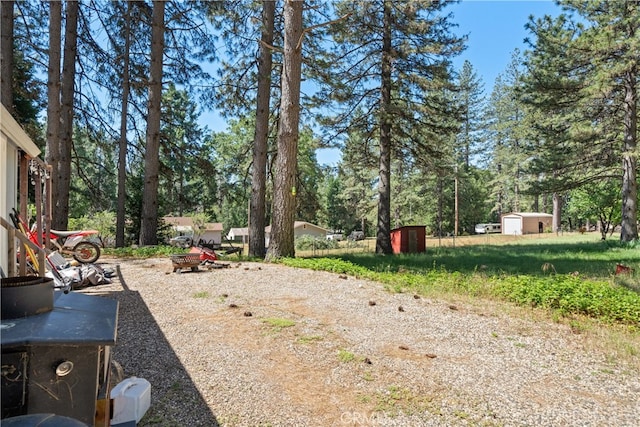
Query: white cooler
[(131, 400)]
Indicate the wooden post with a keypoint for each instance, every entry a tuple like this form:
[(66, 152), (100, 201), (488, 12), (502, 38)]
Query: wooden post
[(23, 192), (37, 179)]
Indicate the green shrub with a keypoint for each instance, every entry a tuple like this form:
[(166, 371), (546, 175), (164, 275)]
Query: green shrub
[(335, 265), (572, 295), (104, 222)]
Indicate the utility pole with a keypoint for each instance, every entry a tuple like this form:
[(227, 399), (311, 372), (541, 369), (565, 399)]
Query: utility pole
[(455, 208)]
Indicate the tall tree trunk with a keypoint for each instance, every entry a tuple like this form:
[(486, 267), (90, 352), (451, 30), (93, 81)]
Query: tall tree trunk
[(629, 230), (149, 220), (383, 239), (281, 243), (123, 144), (557, 213), (259, 172), (61, 204), (556, 221), (6, 55), (52, 155)]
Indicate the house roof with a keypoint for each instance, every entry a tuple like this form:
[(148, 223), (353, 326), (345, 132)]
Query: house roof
[(179, 221), (244, 231), (213, 226), (409, 226), (297, 224), (182, 223), (241, 231), (16, 134), (530, 214)]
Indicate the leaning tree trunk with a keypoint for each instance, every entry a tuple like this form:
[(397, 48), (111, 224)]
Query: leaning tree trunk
[(149, 219), (6, 55), (52, 156), (281, 243), (122, 144), (61, 204), (259, 173), (383, 238), (629, 224)]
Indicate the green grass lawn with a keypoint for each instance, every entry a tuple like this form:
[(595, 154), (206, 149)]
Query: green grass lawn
[(595, 259)]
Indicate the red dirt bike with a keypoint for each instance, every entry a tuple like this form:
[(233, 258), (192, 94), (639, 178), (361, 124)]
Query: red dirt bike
[(74, 243)]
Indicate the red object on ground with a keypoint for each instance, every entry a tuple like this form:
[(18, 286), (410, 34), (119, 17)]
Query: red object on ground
[(205, 254), (623, 269)]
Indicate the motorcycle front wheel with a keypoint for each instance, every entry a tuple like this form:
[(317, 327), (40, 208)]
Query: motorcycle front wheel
[(86, 252)]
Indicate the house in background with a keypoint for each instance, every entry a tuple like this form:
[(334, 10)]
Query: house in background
[(212, 232), (519, 223), (300, 228), (240, 234), (183, 226)]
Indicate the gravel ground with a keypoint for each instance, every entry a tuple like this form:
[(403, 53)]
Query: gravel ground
[(267, 345)]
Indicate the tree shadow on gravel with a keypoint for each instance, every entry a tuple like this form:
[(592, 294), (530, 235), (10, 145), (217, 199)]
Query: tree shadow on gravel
[(143, 351)]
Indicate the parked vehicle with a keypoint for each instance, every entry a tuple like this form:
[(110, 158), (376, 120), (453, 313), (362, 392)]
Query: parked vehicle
[(337, 236), (488, 228), (181, 241), (356, 235)]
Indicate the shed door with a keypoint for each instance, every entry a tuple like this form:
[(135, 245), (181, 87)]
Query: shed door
[(413, 240), (512, 226)]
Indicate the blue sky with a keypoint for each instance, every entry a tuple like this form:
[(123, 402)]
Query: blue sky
[(494, 28)]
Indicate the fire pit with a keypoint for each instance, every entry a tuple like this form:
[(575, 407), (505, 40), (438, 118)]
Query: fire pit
[(26, 296)]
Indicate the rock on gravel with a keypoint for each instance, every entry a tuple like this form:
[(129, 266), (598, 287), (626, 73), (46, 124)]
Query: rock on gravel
[(314, 351)]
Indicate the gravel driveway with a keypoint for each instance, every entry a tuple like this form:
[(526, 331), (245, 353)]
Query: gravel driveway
[(267, 345)]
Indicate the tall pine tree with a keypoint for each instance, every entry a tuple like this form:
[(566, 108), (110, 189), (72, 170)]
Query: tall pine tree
[(390, 68), (583, 85)]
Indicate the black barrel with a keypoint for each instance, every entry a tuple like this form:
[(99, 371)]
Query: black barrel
[(24, 296)]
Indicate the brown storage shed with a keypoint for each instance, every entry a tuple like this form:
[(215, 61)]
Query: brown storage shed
[(409, 239)]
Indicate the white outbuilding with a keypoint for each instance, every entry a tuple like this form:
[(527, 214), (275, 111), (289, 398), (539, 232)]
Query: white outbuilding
[(519, 223)]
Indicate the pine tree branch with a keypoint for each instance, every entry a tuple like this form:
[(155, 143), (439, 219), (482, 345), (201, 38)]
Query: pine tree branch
[(313, 27), (268, 46)]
